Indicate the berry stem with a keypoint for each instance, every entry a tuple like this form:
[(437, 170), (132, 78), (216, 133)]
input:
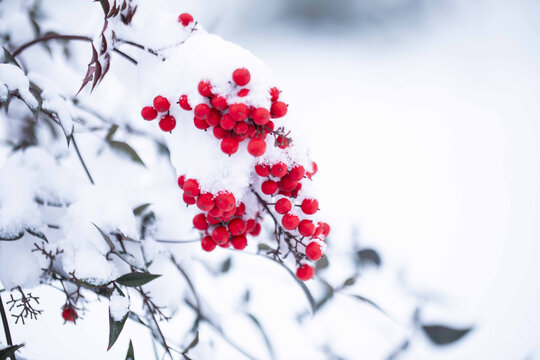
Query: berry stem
[(6, 326)]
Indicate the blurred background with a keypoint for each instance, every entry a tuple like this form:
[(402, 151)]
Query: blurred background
[(423, 118)]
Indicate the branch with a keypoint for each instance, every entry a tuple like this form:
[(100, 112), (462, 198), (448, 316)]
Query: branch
[(6, 326), (81, 159)]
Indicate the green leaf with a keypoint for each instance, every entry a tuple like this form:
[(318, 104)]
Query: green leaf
[(226, 266), (263, 247), (133, 316), (370, 302), (192, 344), (350, 281), (37, 234), (130, 353), (135, 279), (368, 257), (16, 237), (9, 59), (105, 237), (322, 263), (140, 209), (9, 351), (111, 132), (444, 335), (265, 336), (126, 149), (115, 328)]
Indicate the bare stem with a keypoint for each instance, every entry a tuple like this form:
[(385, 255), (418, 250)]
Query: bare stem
[(6, 326), (81, 159)]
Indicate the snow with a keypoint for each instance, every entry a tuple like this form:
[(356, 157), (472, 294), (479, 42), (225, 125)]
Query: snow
[(12, 79), (118, 306)]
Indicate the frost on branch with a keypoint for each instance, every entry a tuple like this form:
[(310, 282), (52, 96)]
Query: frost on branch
[(13, 80)]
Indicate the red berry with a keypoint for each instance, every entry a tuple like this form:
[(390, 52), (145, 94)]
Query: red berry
[(148, 113), (314, 171), (183, 102), (287, 184), (256, 147), (212, 220), (250, 225), (314, 251), (306, 227), (229, 145), (325, 229), (205, 201), (237, 226), (252, 130), (220, 235), (243, 92), (282, 142), (318, 230), (274, 94), (202, 111), (227, 122), (214, 117), (305, 272), (269, 127), (278, 109), (185, 19), (239, 112), (283, 206), (240, 209), (225, 245), (190, 200), (310, 206), (269, 187), (290, 221), (199, 222), (69, 313), (216, 212), (279, 169), (191, 188), (262, 170), (161, 104), (240, 128), (167, 123), (205, 88), (207, 243), (241, 76), (200, 123), (239, 242), (181, 181), (226, 201), (228, 214), (256, 230), (219, 102), (260, 116), (297, 173), (219, 132)]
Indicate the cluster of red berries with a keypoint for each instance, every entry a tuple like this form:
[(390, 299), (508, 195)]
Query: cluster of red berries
[(283, 184), (69, 313), (222, 221), (160, 107), (234, 123)]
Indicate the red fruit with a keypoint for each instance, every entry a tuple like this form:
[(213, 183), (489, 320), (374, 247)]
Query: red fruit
[(207, 243), (205, 201), (256, 147), (190, 200), (185, 19), (239, 112), (228, 214), (212, 220), (216, 212), (167, 123), (285, 193), (214, 117), (269, 187), (269, 127), (240, 210), (252, 130), (274, 94), (239, 242), (243, 92), (219, 132), (310, 206), (318, 230), (305, 272), (241, 76), (262, 170), (240, 128), (219, 102), (250, 225), (314, 251), (161, 104), (306, 227), (202, 111), (314, 171), (229, 145), (220, 235), (237, 226), (282, 142), (191, 188), (279, 169), (287, 184), (226, 245), (278, 109), (283, 206), (200, 123), (69, 313), (226, 201), (183, 102), (325, 229), (227, 122), (205, 88), (260, 116), (297, 173), (256, 230), (199, 222), (181, 181), (290, 221), (148, 113)]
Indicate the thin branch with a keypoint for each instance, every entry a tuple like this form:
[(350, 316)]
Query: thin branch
[(6, 326), (81, 159)]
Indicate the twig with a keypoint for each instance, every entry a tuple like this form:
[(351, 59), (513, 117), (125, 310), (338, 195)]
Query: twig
[(6, 326), (81, 159)]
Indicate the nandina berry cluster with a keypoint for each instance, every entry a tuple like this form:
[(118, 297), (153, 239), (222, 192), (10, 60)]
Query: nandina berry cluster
[(282, 183), (223, 220), (160, 108)]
